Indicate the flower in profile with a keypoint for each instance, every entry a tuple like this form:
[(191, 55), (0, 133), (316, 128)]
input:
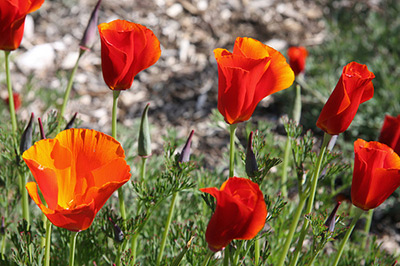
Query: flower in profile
[(354, 87), (376, 174), (76, 172), (390, 133), (240, 212), (126, 49), (249, 74), (12, 21), (297, 59)]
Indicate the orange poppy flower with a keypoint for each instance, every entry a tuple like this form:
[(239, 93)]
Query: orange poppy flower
[(76, 172), (126, 49), (297, 59), (12, 21), (354, 87), (390, 133), (17, 100), (376, 174), (249, 74), (240, 212)]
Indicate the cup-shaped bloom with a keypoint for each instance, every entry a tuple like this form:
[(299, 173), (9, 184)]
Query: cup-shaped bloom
[(240, 212), (126, 49), (354, 87), (249, 74), (12, 21), (76, 172), (297, 59), (390, 133), (376, 174)]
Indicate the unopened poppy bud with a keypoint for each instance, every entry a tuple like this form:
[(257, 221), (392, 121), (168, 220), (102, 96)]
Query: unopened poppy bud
[(331, 221), (26, 138), (42, 134), (251, 162), (3, 227), (184, 157), (144, 145), (71, 122), (118, 234), (90, 33)]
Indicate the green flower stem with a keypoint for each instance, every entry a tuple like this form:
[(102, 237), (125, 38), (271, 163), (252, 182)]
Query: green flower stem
[(292, 230), (48, 243), (285, 166), (68, 90), (232, 130), (310, 203), (208, 257), (24, 202), (3, 246), (10, 93), (227, 254), (297, 105), (166, 229), (134, 247), (237, 253), (357, 216), (257, 251), (143, 168), (367, 228), (114, 135), (72, 244)]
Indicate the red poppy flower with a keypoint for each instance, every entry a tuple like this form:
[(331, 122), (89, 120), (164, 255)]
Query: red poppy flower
[(376, 174), (354, 87), (297, 59), (249, 74), (76, 172), (17, 100), (12, 21), (126, 49), (390, 132), (240, 212)]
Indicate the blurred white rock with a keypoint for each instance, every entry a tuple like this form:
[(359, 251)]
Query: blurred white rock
[(36, 59)]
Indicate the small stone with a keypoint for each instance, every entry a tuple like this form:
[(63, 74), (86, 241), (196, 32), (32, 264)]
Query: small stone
[(174, 10), (39, 58)]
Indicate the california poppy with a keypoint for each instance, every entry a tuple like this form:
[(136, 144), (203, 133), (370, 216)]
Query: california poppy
[(297, 59), (240, 212), (17, 100), (249, 74), (12, 21), (126, 49), (390, 132), (354, 87), (76, 172), (376, 174)]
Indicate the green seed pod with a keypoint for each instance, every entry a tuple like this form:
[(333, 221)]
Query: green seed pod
[(144, 145)]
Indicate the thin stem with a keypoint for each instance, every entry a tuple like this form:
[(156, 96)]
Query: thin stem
[(357, 216), (367, 228), (237, 253), (24, 201), (134, 247), (10, 93), (208, 257), (143, 168), (48, 243), (292, 230), (226, 255), (166, 228), (68, 90), (285, 166), (310, 203), (72, 244), (3, 246), (114, 135), (257, 251), (232, 130)]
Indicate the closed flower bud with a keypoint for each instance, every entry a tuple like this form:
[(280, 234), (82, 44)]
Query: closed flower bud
[(184, 157), (331, 221), (144, 145), (71, 122), (251, 162), (90, 33), (26, 138)]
